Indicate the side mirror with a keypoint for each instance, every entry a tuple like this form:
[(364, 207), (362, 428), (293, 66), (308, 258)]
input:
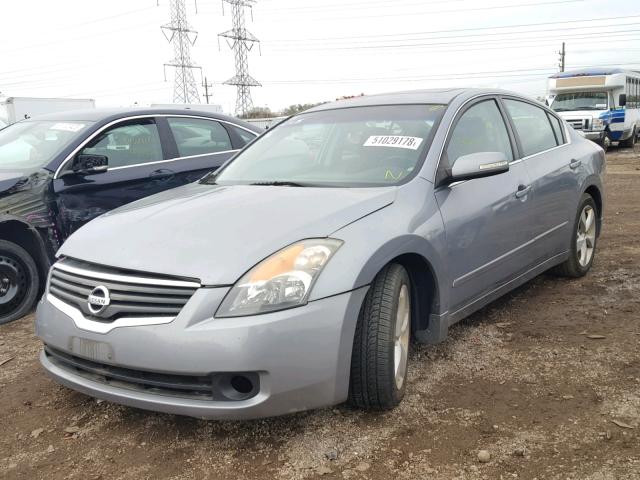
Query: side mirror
[(622, 99), (90, 164), (476, 165)]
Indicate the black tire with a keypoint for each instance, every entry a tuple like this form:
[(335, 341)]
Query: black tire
[(605, 143), (19, 282), (631, 141), (373, 383), (572, 267)]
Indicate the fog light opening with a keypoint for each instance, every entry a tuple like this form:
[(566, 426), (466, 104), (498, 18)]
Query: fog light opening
[(241, 384)]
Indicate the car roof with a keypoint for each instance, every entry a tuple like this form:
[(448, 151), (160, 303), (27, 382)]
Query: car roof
[(104, 115), (440, 96)]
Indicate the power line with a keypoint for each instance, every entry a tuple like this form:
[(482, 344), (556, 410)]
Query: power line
[(431, 12), (475, 29), (472, 42)]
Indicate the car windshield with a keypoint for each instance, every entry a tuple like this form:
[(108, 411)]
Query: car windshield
[(34, 143), (349, 147), (568, 102)]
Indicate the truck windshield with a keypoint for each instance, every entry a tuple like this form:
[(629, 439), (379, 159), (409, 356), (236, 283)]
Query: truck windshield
[(349, 147), (33, 143), (569, 102)]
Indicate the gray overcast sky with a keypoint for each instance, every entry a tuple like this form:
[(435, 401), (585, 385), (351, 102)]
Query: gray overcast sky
[(114, 51)]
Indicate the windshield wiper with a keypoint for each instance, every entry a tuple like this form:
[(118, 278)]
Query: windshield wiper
[(278, 183)]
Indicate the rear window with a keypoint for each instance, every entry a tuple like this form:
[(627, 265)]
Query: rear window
[(533, 127)]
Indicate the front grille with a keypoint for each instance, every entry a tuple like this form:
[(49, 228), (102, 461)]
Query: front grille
[(214, 386), (186, 386), (577, 124), (131, 294)]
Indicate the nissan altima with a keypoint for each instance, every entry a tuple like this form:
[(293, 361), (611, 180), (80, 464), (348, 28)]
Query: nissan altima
[(300, 273)]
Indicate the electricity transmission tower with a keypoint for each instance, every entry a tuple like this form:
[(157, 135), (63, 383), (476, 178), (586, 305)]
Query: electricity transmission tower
[(179, 33), (241, 42)]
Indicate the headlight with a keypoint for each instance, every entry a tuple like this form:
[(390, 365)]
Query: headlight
[(597, 124), (283, 280)]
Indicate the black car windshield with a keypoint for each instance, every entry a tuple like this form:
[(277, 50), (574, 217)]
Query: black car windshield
[(34, 143), (349, 147), (569, 102)]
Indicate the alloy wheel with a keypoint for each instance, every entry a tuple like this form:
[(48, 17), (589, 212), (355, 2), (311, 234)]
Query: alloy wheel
[(586, 237), (401, 336)]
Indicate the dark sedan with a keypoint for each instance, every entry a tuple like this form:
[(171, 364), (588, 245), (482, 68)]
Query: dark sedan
[(59, 171)]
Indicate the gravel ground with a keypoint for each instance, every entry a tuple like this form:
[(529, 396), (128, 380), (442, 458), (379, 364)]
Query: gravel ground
[(542, 384)]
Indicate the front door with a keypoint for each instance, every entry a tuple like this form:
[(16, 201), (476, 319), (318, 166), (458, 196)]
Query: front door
[(486, 219), (137, 168)]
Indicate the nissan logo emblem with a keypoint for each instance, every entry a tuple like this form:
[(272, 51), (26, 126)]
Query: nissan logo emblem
[(98, 300)]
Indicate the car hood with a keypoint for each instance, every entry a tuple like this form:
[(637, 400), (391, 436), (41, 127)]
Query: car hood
[(217, 233), (9, 180)]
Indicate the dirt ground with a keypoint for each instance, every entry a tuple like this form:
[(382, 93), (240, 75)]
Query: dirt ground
[(547, 380)]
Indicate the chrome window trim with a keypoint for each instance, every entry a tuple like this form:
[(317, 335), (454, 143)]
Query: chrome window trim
[(69, 157), (174, 159), (125, 278), (84, 323)]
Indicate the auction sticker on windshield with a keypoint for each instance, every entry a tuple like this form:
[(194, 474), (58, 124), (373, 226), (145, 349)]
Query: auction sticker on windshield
[(395, 141)]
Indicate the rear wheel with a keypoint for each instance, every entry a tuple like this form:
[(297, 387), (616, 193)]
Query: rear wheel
[(19, 282), (583, 244), (381, 342), (631, 141)]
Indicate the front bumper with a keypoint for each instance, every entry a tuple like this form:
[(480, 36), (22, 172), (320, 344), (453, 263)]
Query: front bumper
[(302, 355), (596, 136)]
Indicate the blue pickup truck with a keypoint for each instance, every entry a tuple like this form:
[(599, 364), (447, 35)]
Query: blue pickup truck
[(59, 171)]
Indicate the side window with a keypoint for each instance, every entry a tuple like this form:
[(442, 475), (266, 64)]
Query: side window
[(196, 136), (244, 135), (480, 129), (532, 125), (557, 129), (134, 143)]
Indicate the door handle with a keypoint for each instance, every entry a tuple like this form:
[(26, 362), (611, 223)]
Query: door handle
[(575, 164), (522, 190), (161, 174)]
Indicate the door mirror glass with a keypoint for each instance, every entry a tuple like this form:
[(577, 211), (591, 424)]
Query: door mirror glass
[(481, 164), (90, 163), (622, 100)]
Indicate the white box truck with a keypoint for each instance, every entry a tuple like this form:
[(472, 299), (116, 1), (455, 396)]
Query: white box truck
[(13, 109)]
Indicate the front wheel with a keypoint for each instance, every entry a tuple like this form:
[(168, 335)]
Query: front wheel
[(381, 342), (606, 141), (19, 282), (583, 243)]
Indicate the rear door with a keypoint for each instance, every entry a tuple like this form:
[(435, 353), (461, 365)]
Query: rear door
[(554, 174), (487, 220), (200, 145)]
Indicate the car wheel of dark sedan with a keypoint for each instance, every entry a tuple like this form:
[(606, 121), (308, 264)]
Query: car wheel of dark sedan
[(583, 243), (381, 343), (19, 282)]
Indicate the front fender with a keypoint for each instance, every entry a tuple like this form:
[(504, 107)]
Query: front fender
[(408, 226)]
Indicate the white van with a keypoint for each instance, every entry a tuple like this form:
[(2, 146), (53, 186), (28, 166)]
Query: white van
[(603, 103)]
